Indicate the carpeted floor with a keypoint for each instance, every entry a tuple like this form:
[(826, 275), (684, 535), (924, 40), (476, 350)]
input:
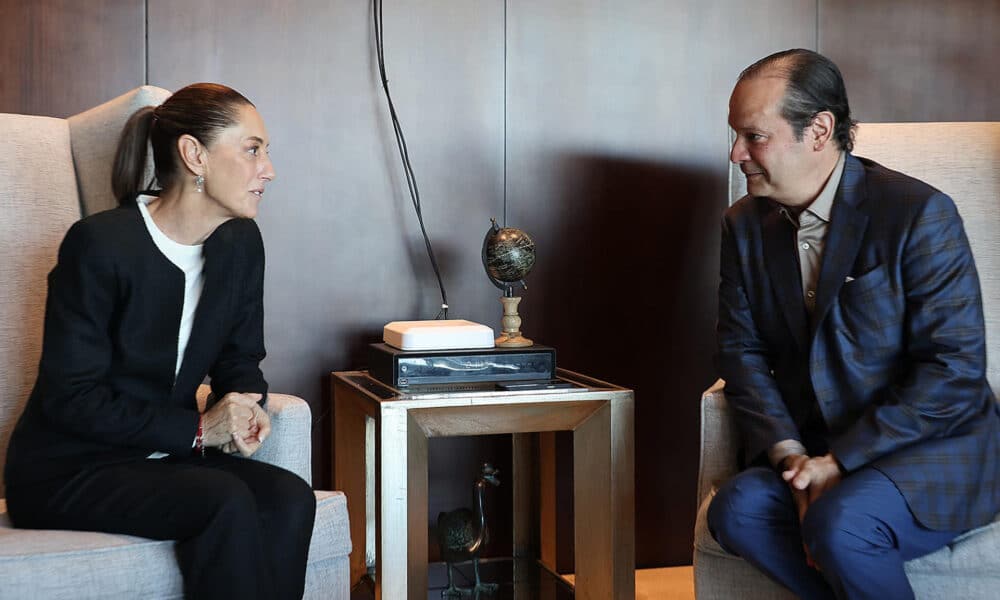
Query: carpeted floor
[(670, 583)]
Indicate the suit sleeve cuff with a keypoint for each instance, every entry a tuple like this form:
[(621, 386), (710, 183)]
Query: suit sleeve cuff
[(848, 458), (783, 449)]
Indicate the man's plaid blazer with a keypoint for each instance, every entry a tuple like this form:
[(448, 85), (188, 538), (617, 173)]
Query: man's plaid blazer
[(894, 356)]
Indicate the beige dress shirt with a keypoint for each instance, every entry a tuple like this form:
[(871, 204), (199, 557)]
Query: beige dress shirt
[(811, 225)]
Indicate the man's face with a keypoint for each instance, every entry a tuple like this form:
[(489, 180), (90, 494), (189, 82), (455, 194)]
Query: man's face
[(775, 164)]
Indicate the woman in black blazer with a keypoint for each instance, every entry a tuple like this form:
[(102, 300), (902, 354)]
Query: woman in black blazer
[(145, 301)]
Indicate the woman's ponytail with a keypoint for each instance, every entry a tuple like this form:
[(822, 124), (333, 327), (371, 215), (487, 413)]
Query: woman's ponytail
[(130, 157)]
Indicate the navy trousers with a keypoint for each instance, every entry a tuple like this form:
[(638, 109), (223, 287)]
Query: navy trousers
[(859, 534), (242, 527)]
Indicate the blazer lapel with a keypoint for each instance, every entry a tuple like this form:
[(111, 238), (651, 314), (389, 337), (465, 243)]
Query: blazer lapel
[(212, 306), (783, 268), (843, 241)]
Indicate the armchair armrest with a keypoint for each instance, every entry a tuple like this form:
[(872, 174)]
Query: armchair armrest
[(719, 440), (290, 444)]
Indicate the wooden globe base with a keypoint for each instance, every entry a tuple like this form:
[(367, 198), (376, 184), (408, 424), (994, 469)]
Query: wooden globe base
[(515, 341), (511, 337)]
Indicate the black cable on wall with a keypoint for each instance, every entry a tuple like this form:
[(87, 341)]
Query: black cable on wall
[(404, 155)]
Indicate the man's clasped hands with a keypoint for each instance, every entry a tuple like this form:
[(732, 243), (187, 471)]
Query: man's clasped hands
[(809, 477)]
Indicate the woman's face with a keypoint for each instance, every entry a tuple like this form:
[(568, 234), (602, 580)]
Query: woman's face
[(239, 166)]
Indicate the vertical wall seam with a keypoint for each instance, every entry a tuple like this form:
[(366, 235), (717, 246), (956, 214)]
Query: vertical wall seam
[(145, 37), (818, 37)]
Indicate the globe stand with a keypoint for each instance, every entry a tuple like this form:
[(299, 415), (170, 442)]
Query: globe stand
[(511, 322)]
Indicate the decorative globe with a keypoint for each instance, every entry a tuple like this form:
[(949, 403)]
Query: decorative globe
[(508, 256)]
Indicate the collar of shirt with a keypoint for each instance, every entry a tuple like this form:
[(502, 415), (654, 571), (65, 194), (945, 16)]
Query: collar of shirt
[(823, 204)]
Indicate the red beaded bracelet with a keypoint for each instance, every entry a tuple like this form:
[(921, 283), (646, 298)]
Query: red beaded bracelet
[(199, 438)]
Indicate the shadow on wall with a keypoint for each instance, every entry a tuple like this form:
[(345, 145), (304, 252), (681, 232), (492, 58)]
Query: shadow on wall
[(625, 289)]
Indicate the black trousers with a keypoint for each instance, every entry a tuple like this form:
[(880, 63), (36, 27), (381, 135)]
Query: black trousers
[(243, 527)]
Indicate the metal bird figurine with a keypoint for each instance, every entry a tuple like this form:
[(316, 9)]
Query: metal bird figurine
[(461, 535)]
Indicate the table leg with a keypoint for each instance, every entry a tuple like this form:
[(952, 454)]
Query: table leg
[(603, 494), (371, 491), (350, 470), (524, 479), (548, 503), (402, 561)]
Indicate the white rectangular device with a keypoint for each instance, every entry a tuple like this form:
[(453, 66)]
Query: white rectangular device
[(450, 334)]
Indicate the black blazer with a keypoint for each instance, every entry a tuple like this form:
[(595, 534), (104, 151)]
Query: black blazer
[(106, 390)]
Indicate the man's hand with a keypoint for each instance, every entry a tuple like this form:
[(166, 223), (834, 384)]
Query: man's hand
[(236, 422), (811, 475), (808, 478), (794, 464)]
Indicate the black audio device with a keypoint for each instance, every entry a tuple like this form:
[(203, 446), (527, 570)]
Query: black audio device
[(402, 369)]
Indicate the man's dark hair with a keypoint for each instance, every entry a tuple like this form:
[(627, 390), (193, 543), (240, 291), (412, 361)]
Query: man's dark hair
[(814, 85)]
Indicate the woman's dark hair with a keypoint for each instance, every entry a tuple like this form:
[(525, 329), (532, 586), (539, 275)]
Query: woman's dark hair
[(814, 85), (200, 110)]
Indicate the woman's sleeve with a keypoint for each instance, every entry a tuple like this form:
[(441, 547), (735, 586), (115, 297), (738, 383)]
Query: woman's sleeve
[(237, 368), (74, 374)]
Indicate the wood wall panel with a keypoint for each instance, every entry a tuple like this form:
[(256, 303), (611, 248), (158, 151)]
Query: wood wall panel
[(617, 162), (922, 60), (344, 253), (60, 57)]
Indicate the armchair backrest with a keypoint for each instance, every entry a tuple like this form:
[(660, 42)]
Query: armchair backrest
[(93, 136), (38, 203), (52, 171), (962, 160)]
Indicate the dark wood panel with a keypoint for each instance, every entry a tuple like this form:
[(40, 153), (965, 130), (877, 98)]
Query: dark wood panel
[(343, 248), (60, 57), (617, 163), (922, 60)]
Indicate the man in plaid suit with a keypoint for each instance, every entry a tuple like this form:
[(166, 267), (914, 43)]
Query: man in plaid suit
[(852, 343)]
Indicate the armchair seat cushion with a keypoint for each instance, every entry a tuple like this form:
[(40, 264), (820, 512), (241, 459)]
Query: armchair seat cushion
[(975, 553), (59, 565)]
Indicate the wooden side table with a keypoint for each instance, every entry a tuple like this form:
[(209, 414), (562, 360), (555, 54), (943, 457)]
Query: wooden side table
[(380, 462)]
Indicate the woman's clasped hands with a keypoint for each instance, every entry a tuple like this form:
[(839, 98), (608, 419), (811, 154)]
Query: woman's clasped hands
[(236, 424)]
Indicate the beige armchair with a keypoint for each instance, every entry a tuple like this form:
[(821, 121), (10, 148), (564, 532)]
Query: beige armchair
[(52, 172), (963, 160)]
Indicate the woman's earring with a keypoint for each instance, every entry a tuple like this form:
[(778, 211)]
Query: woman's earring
[(199, 184)]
